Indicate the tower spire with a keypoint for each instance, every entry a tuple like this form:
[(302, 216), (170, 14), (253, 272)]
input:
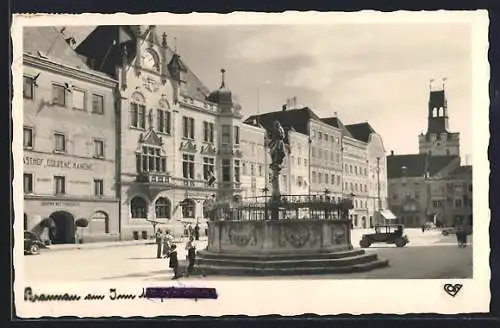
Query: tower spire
[(223, 84), (444, 80)]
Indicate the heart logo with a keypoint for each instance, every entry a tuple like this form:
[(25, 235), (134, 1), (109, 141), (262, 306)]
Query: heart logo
[(452, 290)]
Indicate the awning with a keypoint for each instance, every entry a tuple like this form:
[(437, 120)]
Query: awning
[(388, 215)]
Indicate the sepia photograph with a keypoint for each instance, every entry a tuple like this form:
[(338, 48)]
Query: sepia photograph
[(274, 151)]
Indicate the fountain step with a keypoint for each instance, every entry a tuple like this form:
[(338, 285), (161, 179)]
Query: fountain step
[(299, 263), (208, 270), (276, 257)]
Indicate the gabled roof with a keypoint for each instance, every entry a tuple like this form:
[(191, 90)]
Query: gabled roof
[(463, 171), (361, 131), (48, 42), (104, 43), (336, 122), (416, 165), (298, 119)]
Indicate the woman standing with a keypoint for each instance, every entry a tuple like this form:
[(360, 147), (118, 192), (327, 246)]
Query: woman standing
[(191, 254)]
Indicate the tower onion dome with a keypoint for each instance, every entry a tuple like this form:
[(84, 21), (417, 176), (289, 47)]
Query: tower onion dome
[(223, 95)]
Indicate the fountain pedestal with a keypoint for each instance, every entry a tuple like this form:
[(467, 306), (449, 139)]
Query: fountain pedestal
[(282, 247)]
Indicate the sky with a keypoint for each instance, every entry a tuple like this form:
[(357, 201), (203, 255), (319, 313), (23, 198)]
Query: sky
[(376, 73)]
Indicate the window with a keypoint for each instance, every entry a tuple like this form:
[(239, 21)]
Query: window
[(332, 179), (138, 208), (162, 208), (137, 116), (226, 170), (188, 127), (313, 178), (226, 134), (260, 170), (188, 166), (98, 148), (188, 210), (320, 177), (98, 187), (58, 95), (151, 159), (60, 184), (252, 170), (208, 167), (28, 183), (208, 132), (28, 137), (78, 99), (28, 87), (436, 203), (458, 203), (60, 142), (313, 152), (338, 180), (98, 104), (236, 135), (236, 170), (164, 121)]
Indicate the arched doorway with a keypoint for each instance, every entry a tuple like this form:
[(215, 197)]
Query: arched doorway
[(162, 208), (99, 223), (25, 224), (65, 227), (363, 220)]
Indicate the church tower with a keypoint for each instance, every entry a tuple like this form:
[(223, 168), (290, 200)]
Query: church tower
[(438, 140)]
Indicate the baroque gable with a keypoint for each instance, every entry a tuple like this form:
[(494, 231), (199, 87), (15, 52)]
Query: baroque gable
[(188, 146), (151, 138), (209, 150)]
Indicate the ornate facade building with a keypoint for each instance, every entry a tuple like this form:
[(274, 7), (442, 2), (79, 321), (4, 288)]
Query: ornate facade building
[(69, 141), (432, 186), (178, 143)]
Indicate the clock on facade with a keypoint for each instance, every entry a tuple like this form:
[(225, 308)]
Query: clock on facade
[(149, 60)]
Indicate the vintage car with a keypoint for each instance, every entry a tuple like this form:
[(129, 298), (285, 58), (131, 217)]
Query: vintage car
[(387, 234), (453, 230), (32, 243)]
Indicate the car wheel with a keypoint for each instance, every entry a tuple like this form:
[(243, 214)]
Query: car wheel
[(364, 243), (34, 249), (400, 242)]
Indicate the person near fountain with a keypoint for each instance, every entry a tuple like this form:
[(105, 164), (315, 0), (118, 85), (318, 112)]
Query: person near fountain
[(191, 254), (197, 232), (174, 263), (168, 241), (159, 243)]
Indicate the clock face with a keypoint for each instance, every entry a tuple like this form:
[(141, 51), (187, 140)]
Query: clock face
[(149, 60)]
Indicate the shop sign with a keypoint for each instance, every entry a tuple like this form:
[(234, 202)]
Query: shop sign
[(50, 162), (59, 203)]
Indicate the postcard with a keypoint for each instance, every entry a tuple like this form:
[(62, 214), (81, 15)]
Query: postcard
[(250, 163)]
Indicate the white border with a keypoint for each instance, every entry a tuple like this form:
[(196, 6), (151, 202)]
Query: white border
[(286, 297)]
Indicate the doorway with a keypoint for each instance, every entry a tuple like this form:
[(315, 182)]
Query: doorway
[(64, 228), (25, 222)]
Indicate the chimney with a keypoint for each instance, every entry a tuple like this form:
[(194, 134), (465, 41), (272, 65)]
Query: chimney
[(392, 152)]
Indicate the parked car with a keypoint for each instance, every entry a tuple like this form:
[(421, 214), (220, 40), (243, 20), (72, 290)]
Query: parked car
[(32, 243), (387, 234), (453, 230)]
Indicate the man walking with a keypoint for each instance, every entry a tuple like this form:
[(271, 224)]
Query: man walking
[(159, 243), (168, 241)]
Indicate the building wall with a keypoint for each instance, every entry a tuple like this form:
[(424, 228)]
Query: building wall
[(356, 179), (254, 163), (439, 144), (78, 163), (326, 159), (298, 164), (377, 177)]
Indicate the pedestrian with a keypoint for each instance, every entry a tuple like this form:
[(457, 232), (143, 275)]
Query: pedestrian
[(174, 263), (168, 241), (423, 228), (458, 233), (191, 254), (190, 230), (159, 243), (197, 232)]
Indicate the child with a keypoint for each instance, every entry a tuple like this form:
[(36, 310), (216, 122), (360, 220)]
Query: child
[(174, 263), (191, 254)]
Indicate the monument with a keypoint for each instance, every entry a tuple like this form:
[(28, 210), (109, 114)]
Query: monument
[(261, 239)]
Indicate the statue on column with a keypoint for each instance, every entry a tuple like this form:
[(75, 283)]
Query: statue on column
[(277, 152)]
